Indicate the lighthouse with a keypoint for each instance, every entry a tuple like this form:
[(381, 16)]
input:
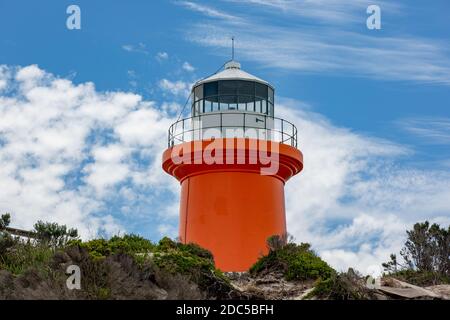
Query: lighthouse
[(232, 157)]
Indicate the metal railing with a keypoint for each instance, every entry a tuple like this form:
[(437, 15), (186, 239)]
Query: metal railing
[(230, 124)]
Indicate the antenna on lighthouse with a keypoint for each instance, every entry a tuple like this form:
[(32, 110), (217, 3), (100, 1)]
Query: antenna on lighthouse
[(232, 48), (232, 64)]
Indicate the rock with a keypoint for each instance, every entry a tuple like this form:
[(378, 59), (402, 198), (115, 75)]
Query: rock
[(304, 294), (399, 289), (442, 290)]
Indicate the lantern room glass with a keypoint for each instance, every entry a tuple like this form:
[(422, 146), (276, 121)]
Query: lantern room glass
[(233, 95)]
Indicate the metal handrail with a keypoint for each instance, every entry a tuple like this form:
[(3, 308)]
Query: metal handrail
[(183, 130)]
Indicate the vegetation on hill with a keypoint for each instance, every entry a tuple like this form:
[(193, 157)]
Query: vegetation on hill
[(296, 262), (131, 267), (122, 267), (425, 257)]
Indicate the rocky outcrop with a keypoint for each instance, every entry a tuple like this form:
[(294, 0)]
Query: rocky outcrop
[(397, 289), (273, 286)]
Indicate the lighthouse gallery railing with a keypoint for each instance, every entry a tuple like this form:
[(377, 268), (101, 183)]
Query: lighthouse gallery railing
[(268, 127)]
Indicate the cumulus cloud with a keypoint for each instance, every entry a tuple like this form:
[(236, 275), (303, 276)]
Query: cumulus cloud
[(160, 56), (188, 67), (176, 88), (66, 150), (354, 200)]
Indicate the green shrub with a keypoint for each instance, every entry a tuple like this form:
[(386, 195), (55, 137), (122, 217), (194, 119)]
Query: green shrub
[(180, 262), (97, 248), (6, 242), (196, 250), (306, 265), (296, 262), (182, 258), (192, 261), (54, 234), (129, 244), (166, 244), (5, 220), (25, 256)]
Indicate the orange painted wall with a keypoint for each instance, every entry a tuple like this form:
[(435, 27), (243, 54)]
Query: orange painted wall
[(232, 214)]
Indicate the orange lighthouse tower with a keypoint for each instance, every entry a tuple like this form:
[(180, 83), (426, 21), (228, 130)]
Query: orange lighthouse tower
[(232, 158)]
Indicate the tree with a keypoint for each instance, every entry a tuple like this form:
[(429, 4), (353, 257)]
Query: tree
[(54, 234), (277, 242), (427, 249), (6, 241), (5, 220)]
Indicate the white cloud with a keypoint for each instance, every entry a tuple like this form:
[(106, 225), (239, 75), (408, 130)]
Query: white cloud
[(325, 11), (4, 75), (430, 130), (324, 48), (168, 230), (160, 56), (209, 11), (30, 73), (188, 67), (176, 88), (138, 48), (132, 76), (171, 107), (104, 175), (352, 201), (143, 127), (67, 150)]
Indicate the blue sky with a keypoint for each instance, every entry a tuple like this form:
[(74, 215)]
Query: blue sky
[(376, 101)]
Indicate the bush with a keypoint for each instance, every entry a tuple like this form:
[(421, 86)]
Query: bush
[(25, 256), (6, 242), (196, 250), (5, 220), (425, 255), (195, 263), (129, 244), (119, 268), (296, 262), (188, 259), (341, 286), (54, 234)]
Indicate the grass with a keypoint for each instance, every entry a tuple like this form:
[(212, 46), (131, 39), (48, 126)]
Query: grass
[(26, 256)]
